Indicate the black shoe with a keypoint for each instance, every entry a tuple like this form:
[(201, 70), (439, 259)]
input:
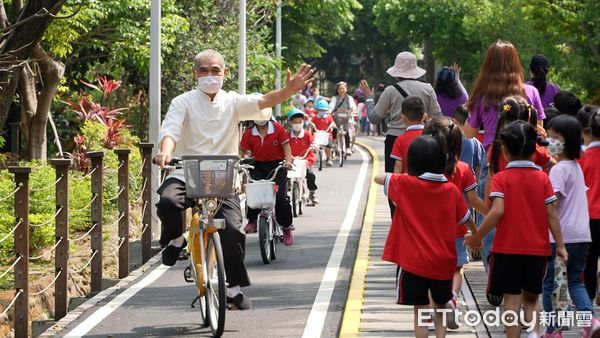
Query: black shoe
[(170, 254), (239, 302)]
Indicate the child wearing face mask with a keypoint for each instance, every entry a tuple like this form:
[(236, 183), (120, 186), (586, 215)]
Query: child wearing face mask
[(564, 138), (324, 122), (268, 142), (301, 141)]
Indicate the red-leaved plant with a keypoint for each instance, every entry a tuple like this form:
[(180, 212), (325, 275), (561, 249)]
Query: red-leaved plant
[(109, 117)]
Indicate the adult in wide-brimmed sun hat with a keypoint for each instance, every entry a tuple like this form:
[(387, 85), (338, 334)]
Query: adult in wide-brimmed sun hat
[(406, 72), (406, 67)]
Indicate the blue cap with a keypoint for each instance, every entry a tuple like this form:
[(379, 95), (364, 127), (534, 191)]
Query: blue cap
[(322, 105), (295, 112)]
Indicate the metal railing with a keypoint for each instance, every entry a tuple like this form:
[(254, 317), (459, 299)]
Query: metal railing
[(60, 249)]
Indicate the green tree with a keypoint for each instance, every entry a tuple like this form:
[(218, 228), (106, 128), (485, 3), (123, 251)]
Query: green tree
[(309, 24)]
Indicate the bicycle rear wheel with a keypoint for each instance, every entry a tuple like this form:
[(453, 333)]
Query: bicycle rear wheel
[(215, 284), (264, 239)]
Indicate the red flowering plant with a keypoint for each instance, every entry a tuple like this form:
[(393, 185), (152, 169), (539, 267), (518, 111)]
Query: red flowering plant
[(103, 124)]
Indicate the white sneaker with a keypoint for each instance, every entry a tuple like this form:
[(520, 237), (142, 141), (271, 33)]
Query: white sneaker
[(348, 152)]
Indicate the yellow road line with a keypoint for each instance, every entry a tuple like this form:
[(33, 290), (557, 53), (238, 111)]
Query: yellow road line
[(354, 303)]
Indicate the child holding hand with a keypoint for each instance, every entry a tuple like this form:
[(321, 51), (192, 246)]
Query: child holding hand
[(522, 211), (422, 244)]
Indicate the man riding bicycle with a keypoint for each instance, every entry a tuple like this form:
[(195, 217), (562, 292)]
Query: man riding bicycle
[(204, 121)]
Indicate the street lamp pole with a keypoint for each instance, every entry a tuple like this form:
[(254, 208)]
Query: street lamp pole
[(154, 94), (278, 53), (242, 57)]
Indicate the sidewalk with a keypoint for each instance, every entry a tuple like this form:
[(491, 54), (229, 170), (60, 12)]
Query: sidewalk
[(371, 310)]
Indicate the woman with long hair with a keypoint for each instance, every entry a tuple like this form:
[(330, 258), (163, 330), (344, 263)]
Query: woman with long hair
[(539, 67), (500, 76)]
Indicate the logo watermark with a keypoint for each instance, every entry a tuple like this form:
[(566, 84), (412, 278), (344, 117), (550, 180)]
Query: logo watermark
[(497, 317)]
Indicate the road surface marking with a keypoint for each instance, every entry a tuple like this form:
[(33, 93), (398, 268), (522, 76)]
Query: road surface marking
[(97, 317), (318, 312), (352, 311)]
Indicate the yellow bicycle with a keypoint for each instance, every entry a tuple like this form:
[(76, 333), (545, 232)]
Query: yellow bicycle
[(209, 180)]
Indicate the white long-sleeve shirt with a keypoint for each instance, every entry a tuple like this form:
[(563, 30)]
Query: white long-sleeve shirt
[(200, 126)]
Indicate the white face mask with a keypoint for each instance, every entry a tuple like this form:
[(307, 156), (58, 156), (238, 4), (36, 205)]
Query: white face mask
[(322, 113), (555, 147), (297, 127), (261, 122), (210, 84)]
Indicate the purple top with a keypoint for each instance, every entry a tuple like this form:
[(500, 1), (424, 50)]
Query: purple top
[(548, 97), (488, 118), (449, 105)]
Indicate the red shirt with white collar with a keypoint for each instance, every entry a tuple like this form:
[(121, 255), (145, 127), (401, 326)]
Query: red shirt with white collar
[(269, 148), (590, 164), (423, 243), (323, 123), (300, 144), (400, 148), (464, 179), (541, 158), (526, 190)]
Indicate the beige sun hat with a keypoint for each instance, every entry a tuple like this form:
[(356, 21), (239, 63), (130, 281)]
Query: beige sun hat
[(406, 67)]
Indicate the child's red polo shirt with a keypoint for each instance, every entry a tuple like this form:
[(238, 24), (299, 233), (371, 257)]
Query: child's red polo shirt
[(322, 123), (400, 148), (591, 171), (541, 158), (270, 148), (300, 143), (464, 179), (423, 232), (523, 229)]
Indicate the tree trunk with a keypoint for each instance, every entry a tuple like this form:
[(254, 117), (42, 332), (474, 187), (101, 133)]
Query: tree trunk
[(51, 72), (19, 46), (429, 62), (29, 102)]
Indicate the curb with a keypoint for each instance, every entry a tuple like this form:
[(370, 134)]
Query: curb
[(73, 315), (353, 309)]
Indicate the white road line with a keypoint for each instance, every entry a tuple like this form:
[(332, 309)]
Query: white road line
[(94, 319), (316, 318)]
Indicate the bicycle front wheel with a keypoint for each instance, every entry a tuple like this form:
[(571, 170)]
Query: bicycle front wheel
[(264, 239), (196, 268), (296, 199), (343, 150), (320, 159), (215, 284)]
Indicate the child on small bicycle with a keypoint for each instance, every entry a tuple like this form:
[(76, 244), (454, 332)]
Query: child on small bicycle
[(301, 141), (269, 144), (324, 122)]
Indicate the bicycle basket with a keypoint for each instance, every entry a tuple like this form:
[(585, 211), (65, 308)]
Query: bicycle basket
[(321, 138), (298, 170), (209, 176), (341, 119), (260, 195)]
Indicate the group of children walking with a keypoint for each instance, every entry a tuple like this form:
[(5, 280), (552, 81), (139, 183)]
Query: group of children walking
[(541, 196)]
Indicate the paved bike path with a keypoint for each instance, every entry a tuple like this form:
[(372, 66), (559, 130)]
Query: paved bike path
[(283, 292)]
